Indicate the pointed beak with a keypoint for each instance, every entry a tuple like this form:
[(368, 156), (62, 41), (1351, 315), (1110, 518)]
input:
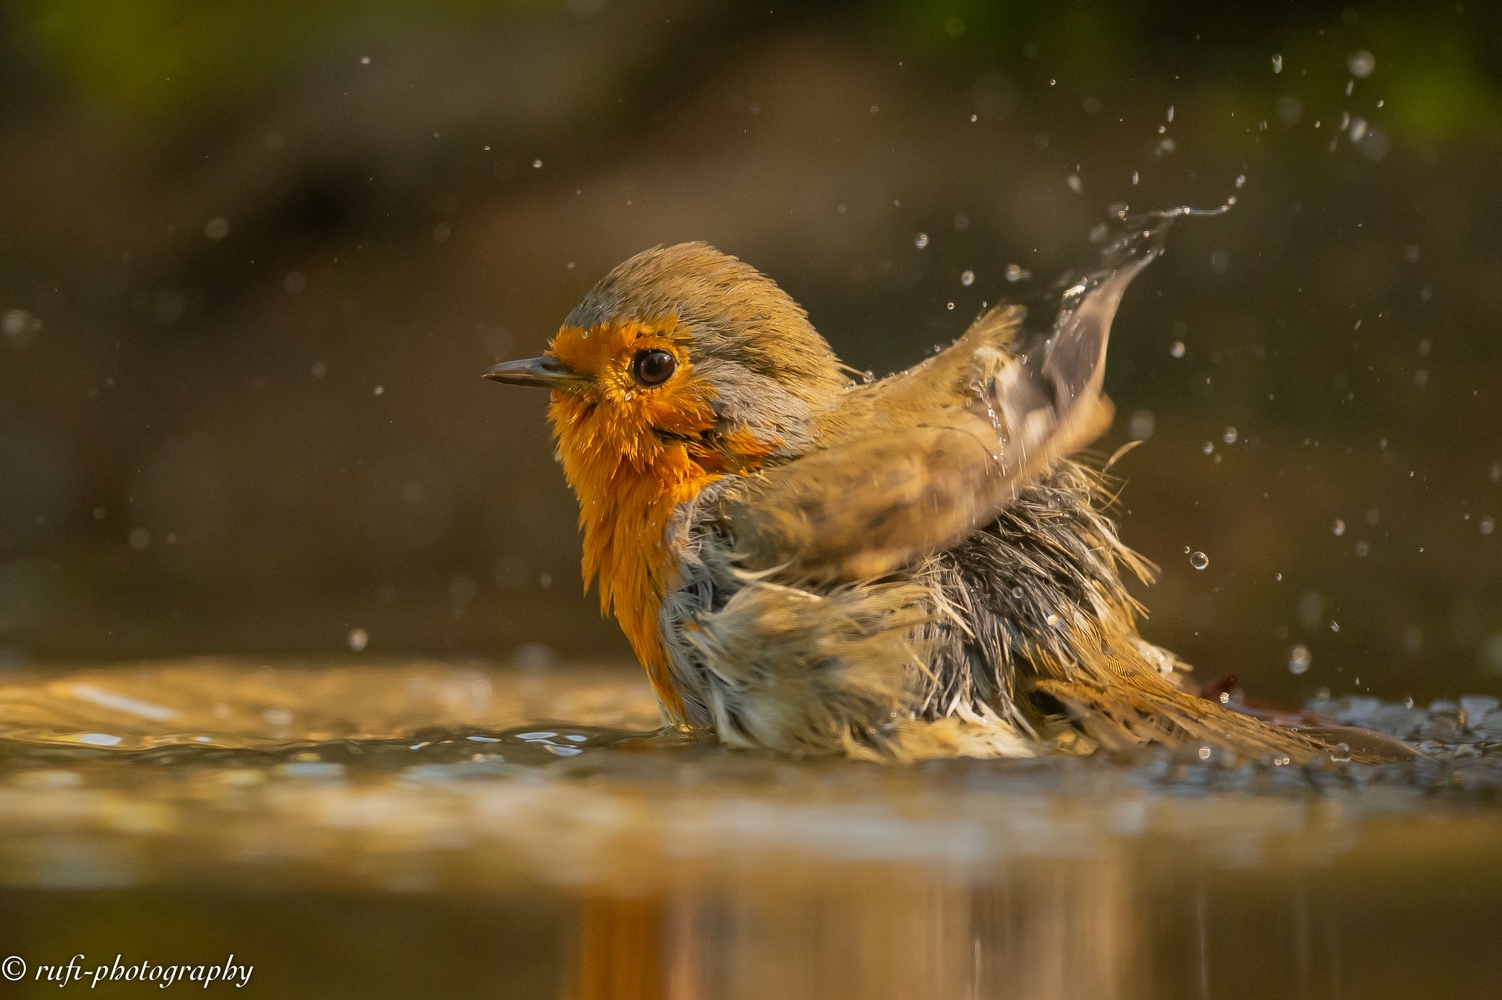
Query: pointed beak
[(546, 371)]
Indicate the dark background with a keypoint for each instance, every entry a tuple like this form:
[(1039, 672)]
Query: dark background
[(255, 254)]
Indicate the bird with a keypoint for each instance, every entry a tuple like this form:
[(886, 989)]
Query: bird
[(812, 562)]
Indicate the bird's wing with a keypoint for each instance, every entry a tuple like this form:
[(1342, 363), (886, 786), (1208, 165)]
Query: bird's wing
[(919, 461)]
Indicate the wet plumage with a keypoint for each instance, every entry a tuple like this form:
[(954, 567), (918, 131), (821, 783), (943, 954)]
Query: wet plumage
[(909, 568)]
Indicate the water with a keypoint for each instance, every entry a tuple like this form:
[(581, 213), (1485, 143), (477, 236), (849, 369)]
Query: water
[(326, 824)]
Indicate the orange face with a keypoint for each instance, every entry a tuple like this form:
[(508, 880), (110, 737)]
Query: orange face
[(630, 424), (637, 392)]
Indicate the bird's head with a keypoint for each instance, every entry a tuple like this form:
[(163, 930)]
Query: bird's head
[(682, 352)]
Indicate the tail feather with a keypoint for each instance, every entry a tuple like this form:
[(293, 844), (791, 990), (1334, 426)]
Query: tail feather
[(1124, 712)]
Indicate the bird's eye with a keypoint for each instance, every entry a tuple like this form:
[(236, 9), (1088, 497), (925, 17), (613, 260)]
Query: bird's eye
[(653, 367)]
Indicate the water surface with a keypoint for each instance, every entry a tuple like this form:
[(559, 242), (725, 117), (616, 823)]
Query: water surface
[(436, 829)]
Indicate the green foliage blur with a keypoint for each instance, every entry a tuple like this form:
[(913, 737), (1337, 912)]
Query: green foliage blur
[(164, 56), (177, 56)]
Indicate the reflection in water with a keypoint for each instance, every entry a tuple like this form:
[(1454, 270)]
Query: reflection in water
[(589, 858), (1042, 936), (1052, 930)]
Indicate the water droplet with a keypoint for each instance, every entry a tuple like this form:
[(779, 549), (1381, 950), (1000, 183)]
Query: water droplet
[(1338, 527), (1496, 472), (1051, 620), (216, 228), (379, 390), (536, 164), (1017, 593), (1487, 524), (1204, 753), (1335, 626), (949, 306), (1208, 447), (921, 241), (1298, 659), (20, 327), (1361, 63), (1015, 272), (1073, 180), (99, 739), (1177, 350), (1277, 63), (1229, 437), (358, 640), (967, 278), (1199, 560)]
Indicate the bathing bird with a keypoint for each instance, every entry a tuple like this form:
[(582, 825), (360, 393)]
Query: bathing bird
[(913, 567)]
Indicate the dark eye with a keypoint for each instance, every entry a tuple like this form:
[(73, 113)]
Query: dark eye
[(653, 367)]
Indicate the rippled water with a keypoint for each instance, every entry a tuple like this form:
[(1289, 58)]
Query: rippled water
[(424, 829)]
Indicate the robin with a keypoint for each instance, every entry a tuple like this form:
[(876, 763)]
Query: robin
[(902, 569)]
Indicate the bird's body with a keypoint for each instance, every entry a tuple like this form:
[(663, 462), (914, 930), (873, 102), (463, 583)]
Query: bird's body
[(908, 568)]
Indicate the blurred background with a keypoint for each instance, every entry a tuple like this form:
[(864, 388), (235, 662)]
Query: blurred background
[(255, 255)]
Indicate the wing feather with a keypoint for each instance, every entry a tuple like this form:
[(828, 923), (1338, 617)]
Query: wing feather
[(919, 461)]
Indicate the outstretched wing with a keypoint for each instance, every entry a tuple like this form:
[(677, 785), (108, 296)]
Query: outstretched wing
[(918, 461)]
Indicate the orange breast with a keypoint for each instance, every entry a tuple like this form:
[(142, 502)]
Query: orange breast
[(632, 456), (626, 498)]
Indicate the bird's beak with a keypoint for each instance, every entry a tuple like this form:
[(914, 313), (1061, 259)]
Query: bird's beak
[(546, 371)]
